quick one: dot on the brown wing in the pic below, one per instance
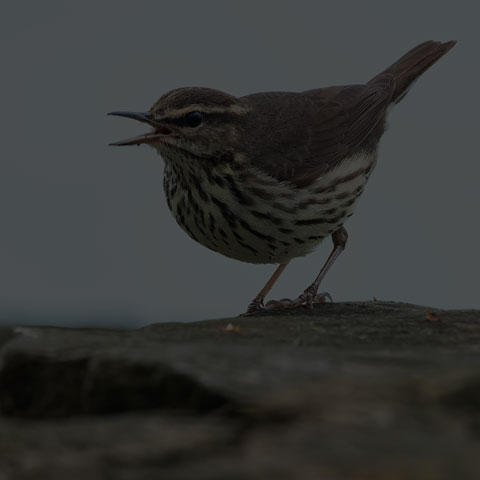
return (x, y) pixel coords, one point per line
(295, 137)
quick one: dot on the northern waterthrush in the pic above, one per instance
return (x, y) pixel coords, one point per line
(266, 177)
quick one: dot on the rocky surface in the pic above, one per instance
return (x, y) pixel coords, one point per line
(344, 391)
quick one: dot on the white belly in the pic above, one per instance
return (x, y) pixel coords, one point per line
(266, 221)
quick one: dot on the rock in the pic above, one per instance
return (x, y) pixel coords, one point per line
(353, 390)
(62, 387)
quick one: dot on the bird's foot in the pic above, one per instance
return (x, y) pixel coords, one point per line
(256, 305)
(307, 298)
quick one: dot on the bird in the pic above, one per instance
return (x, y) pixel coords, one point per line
(264, 178)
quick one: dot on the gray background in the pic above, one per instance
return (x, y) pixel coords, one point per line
(86, 237)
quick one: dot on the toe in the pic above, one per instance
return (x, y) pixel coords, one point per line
(307, 298)
(322, 298)
(256, 305)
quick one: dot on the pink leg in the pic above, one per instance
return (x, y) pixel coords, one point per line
(257, 303)
(311, 295)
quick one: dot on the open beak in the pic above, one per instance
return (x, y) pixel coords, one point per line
(156, 134)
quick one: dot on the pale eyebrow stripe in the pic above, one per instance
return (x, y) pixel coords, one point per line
(236, 109)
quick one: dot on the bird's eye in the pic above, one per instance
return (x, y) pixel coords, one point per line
(193, 119)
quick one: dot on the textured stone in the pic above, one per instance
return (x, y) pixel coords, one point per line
(356, 390)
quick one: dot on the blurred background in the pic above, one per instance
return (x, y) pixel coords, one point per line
(86, 237)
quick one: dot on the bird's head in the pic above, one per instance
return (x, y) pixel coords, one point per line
(191, 120)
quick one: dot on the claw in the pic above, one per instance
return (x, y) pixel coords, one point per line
(322, 297)
(307, 298)
(256, 305)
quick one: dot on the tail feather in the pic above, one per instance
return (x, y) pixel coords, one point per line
(409, 67)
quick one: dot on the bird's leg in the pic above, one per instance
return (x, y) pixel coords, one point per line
(311, 295)
(257, 303)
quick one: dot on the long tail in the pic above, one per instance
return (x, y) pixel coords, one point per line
(409, 67)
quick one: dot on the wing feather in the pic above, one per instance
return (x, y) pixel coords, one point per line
(295, 137)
